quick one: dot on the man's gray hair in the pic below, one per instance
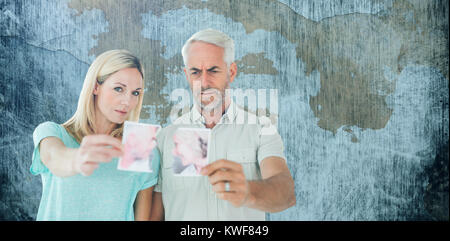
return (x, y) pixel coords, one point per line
(215, 37)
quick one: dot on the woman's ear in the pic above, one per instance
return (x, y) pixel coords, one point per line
(95, 92)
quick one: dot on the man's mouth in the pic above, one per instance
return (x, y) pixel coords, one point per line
(209, 94)
(209, 91)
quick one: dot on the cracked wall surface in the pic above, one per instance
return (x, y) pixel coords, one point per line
(362, 90)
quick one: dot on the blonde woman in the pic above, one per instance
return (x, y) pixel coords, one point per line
(77, 160)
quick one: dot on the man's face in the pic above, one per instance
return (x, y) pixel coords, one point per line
(208, 74)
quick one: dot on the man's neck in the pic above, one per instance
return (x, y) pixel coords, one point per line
(212, 117)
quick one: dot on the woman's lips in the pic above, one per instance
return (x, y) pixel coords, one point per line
(121, 112)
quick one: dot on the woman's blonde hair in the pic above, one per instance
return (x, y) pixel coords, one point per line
(82, 123)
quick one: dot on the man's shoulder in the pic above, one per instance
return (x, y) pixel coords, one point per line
(183, 119)
(263, 124)
(253, 118)
(264, 121)
(179, 123)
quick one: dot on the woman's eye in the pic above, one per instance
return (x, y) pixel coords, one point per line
(118, 89)
(136, 93)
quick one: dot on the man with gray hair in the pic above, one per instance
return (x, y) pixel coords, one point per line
(247, 174)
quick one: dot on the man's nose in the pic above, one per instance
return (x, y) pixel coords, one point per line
(204, 78)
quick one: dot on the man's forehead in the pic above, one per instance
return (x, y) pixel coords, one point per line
(200, 62)
(207, 67)
(205, 55)
(204, 45)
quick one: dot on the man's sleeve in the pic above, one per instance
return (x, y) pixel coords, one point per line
(270, 142)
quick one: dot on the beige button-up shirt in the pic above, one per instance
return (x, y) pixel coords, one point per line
(191, 197)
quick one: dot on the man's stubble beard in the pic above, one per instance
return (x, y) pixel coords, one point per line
(215, 105)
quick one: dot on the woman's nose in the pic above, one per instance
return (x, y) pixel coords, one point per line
(125, 100)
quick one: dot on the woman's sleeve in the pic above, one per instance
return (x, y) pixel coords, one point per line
(152, 178)
(42, 131)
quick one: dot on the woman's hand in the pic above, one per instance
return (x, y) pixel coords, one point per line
(95, 149)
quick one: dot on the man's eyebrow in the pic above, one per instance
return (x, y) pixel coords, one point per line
(213, 68)
(194, 69)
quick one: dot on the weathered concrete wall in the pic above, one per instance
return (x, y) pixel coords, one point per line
(362, 90)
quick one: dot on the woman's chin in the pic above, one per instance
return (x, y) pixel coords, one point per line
(118, 121)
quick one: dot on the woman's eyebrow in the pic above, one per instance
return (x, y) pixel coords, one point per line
(124, 85)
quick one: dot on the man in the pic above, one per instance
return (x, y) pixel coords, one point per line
(247, 173)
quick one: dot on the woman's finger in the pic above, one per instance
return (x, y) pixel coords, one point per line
(102, 140)
(94, 151)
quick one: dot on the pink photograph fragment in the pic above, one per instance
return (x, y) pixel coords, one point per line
(190, 152)
(139, 141)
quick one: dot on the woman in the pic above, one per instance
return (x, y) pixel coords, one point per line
(78, 159)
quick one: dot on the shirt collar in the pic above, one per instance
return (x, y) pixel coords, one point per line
(228, 117)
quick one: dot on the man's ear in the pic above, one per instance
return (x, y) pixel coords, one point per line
(187, 76)
(185, 73)
(233, 71)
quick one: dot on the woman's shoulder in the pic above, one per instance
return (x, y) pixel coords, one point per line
(50, 128)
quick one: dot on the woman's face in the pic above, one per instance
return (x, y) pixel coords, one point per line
(118, 95)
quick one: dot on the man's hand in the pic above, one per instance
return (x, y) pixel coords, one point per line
(274, 193)
(224, 171)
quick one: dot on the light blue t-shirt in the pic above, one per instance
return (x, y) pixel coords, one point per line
(108, 194)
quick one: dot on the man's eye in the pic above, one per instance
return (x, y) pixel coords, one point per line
(194, 72)
(136, 93)
(118, 89)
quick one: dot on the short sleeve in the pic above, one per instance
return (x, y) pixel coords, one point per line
(152, 178)
(42, 131)
(160, 140)
(270, 142)
(159, 183)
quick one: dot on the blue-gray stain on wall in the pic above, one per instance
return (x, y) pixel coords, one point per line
(362, 90)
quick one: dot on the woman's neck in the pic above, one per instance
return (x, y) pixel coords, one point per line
(102, 125)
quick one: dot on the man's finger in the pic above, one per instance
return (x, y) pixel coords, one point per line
(222, 176)
(227, 196)
(219, 164)
(220, 187)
